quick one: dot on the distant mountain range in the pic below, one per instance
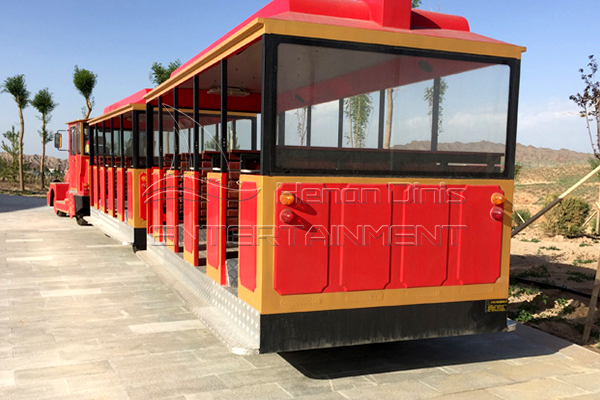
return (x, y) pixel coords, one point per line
(526, 155)
(51, 163)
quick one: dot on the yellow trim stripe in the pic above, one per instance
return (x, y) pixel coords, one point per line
(418, 39)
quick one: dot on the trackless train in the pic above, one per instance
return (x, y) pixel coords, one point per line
(328, 173)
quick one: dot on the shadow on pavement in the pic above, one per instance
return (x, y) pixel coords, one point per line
(10, 203)
(417, 354)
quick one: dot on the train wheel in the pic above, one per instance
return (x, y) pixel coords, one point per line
(80, 220)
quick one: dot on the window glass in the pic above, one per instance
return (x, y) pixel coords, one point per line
(86, 141)
(73, 140)
(77, 140)
(388, 113)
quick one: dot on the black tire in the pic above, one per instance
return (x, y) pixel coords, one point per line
(80, 220)
(61, 214)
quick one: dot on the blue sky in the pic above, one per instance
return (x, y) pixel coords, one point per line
(119, 40)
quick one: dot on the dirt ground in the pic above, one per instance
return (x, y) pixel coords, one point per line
(31, 189)
(560, 261)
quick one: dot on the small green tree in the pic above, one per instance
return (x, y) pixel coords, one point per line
(358, 109)
(85, 81)
(567, 217)
(10, 166)
(16, 87)
(589, 103)
(44, 104)
(160, 73)
(429, 95)
(301, 126)
(416, 3)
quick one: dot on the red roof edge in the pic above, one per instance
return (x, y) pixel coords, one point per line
(136, 98)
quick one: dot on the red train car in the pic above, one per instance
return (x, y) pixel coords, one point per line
(328, 173)
(72, 197)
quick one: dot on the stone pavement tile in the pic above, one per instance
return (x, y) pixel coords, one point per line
(306, 386)
(25, 336)
(94, 383)
(581, 355)
(481, 394)
(406, 390)
(173, 366)
(32, 361)
(7, 378)
(104, 394)
(540, 389)
(46, 390)
(322, 396)
(399, 376)
(266, 360)
(465, 382)
(173, 326)
(592, 396)
(538, 370)
(269, 391)
(533, 359)
(69, 333)
(61, 371)
(117, 348)
(262, 375)
(173, 387)
(70, 292)
(175, 341)
(589, 382)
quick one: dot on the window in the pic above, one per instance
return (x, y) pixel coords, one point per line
(350, 111)
(74, 140)
(86, 141)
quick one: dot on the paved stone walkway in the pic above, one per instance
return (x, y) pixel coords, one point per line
(81, 317)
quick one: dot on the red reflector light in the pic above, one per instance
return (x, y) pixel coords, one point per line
(497, 213)
(286, 216)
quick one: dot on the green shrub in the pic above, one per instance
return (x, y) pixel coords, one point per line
(566, 218)
(525, 214)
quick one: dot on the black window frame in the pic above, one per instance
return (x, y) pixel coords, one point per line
(271, 44)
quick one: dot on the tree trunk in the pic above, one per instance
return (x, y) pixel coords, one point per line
(42, 183)
(88, 103)
(388, 120)
(21, 181)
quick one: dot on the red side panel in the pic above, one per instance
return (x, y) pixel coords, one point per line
(172, 215)
(156, 198)
(121, 193)
(247, 235)
(216, 235)
(301, 254)
(419, 241)
(102, 177)
(362, 243)
(143, 186)
(129, 194)
(476, 238)
(345, 237)
(110, 199)
(191, 220)
(94, 186)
